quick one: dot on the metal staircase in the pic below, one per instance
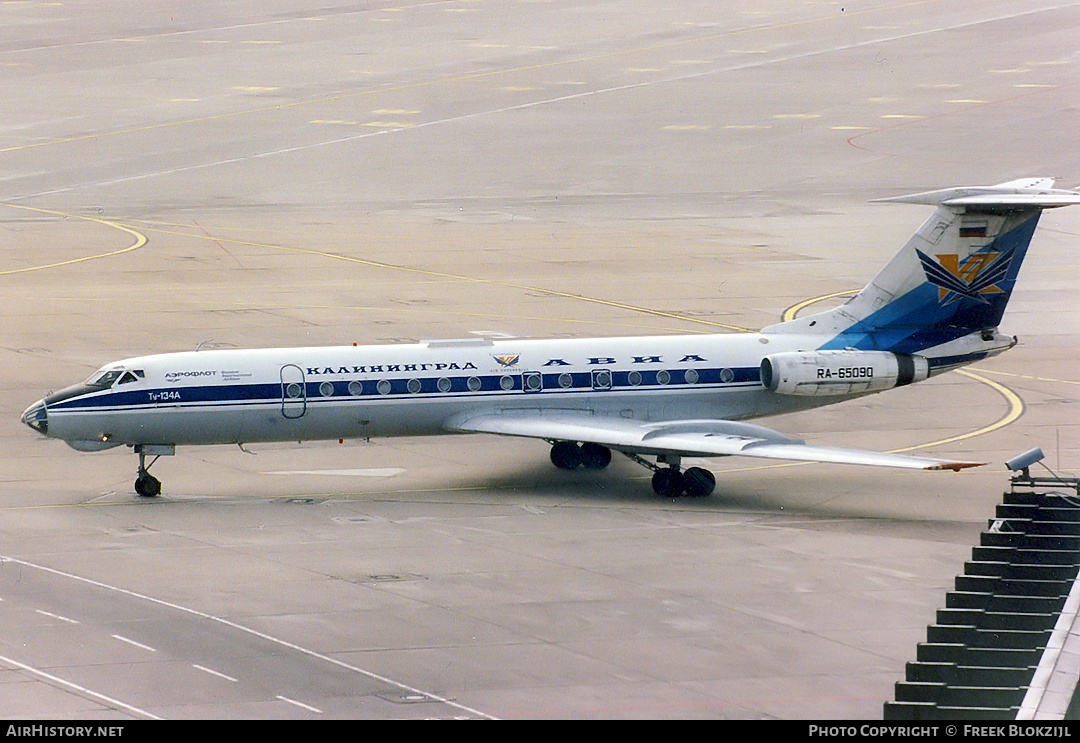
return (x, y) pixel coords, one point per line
(1002, 647)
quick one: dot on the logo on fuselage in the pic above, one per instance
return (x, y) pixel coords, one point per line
(504, 362)
(177, 376)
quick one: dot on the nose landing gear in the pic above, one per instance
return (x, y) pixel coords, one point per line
(146, 484)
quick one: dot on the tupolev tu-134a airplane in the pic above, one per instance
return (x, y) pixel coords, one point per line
(935, 306)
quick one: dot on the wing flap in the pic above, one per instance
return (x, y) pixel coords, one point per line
(690, 438)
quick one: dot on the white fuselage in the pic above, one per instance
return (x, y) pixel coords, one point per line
(298, 394)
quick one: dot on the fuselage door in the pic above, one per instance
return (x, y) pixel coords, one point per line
(293, 391)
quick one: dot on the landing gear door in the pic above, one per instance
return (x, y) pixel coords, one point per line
(293, 391)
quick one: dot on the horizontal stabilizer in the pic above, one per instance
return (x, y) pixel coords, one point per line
(1027, 192)
(689, 438)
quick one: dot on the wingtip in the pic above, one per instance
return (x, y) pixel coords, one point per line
(954, 466)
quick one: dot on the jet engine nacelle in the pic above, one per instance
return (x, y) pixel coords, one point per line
(829, 373)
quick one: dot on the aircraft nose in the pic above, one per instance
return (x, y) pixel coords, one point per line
(37, 417)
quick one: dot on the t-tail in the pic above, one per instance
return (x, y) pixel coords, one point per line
(941, 298)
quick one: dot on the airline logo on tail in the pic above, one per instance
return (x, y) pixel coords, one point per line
(974, 277)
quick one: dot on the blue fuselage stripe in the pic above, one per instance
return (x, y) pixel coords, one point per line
(517, 383)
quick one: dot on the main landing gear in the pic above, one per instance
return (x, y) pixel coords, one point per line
(695, 482)
(567, 455)
(669, 481)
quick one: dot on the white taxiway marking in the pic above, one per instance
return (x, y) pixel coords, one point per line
(375, 472)
(56, 616)
(240, 628)
(121, 638)
(81, 689)
(299, 704)
(212, 672)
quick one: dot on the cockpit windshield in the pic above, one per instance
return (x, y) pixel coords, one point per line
(105, 379)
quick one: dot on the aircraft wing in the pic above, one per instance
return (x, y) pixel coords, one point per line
(689, 438)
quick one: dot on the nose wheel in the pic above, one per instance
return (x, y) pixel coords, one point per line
(147, 485)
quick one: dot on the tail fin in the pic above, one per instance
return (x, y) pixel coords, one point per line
(951, 280)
